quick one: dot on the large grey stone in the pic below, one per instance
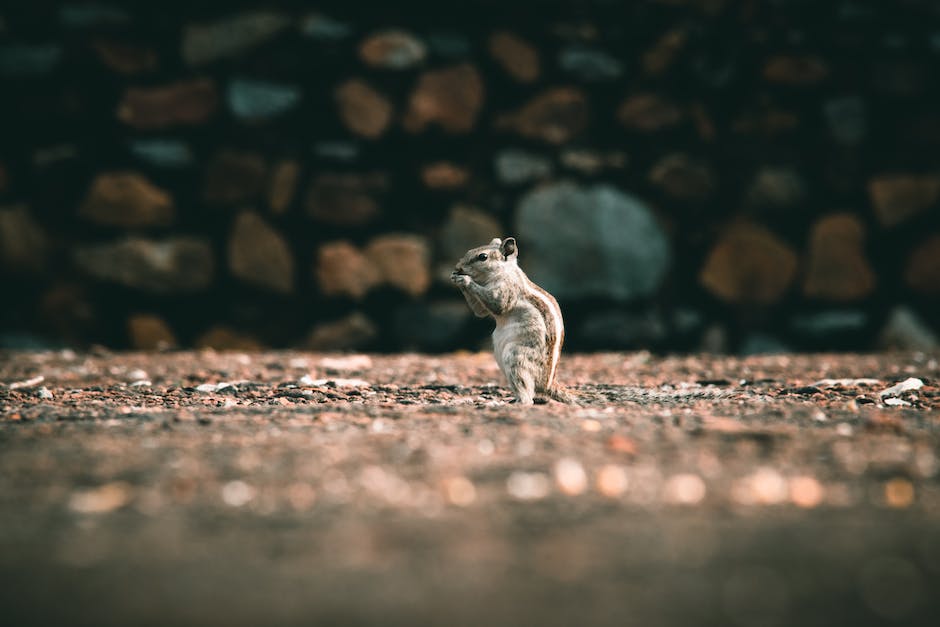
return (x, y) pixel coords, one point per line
(776, 189)
(324, 28)
(431, 326)
(165, 153)
(591, 241)
(256, 100)
(180, 264)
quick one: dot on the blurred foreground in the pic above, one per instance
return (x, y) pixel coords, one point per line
(292, 488)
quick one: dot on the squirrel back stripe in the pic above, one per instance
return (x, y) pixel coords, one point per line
(555, 328)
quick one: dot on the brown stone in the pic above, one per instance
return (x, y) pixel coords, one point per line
(362, 109)
(68, 312)
(682, 178)
(450, 98)
(555, 116)
(403, 261)
(154, 108)
(223, 338)
(344, 199)
(837, 269)
(648, 113)
(663, 53)
(148, 332)
(796, 71)
(466, 227)
(235, 177)
(258, 254)
(127, 59)
(392, 50)
(518, 57)
(229, 36)
(923, 267)
(749, 265)
(353, 332)
(283, 185)
(899, 197)
(177, 264)
(127, 199)
(22, 241)
(444, 175)
(342, 270)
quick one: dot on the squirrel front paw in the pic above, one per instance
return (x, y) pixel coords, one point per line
(460, 280)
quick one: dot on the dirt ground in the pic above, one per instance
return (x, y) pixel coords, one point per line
(298, 489)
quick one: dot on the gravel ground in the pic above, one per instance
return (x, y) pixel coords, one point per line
(294, 488)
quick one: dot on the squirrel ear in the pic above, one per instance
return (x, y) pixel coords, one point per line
(508, 247)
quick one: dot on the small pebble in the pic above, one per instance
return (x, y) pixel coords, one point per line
(237, 493)
(45, 394)
(528, 486)
(612, 481)
(460, 491)
(570, 476)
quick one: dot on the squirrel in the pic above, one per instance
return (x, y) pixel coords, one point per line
(529, 327)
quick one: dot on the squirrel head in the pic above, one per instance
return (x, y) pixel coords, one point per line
(484, 263)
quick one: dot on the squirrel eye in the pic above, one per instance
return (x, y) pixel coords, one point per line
(481, 257)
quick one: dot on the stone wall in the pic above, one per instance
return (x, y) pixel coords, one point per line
(682, 174)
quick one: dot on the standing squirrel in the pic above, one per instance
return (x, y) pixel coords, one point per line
(529, 328)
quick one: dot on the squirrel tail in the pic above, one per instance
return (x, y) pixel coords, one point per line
(561, 394)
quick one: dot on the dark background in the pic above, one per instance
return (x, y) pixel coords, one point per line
(683, 175)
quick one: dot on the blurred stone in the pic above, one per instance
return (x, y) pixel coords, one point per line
(48, 156)
(663, 53)
(776, 189)
(4, 178)
(847, 119)
(449, 44)
(899, 197)
(362, 109)
(21, 60)
(341, 151)
(148, 332)
(590, 162)
(903, 78)
(648, 113)
(444, 175)
(589, 64)
(826, 325)
(770, 122)
(68, 311)
(682, 178)
(450, 98)
(324, 28)
(795, 71)
(223, 338)
(762, 344)
(258, 100)
(837, 269)
(127, 199)
(392, 50)
(154, 108)
(90, 15)
(617, 330)
(555, 116)
(234, 177)
(519, 166)
(518, 57)
(749, 265)
(166, 153)
(344, 199)
(905, 330)
(595, 240)
(431, 326)
(284, 178)
(23, 244)
(229, 36)
(342, 269)
(403, 261)
(466, 227)
(922, 273)
(124, 58)
(258, 254)
(177, 264)
(353, 332)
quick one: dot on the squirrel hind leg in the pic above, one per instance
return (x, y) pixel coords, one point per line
(522, 386)
(562, 395)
